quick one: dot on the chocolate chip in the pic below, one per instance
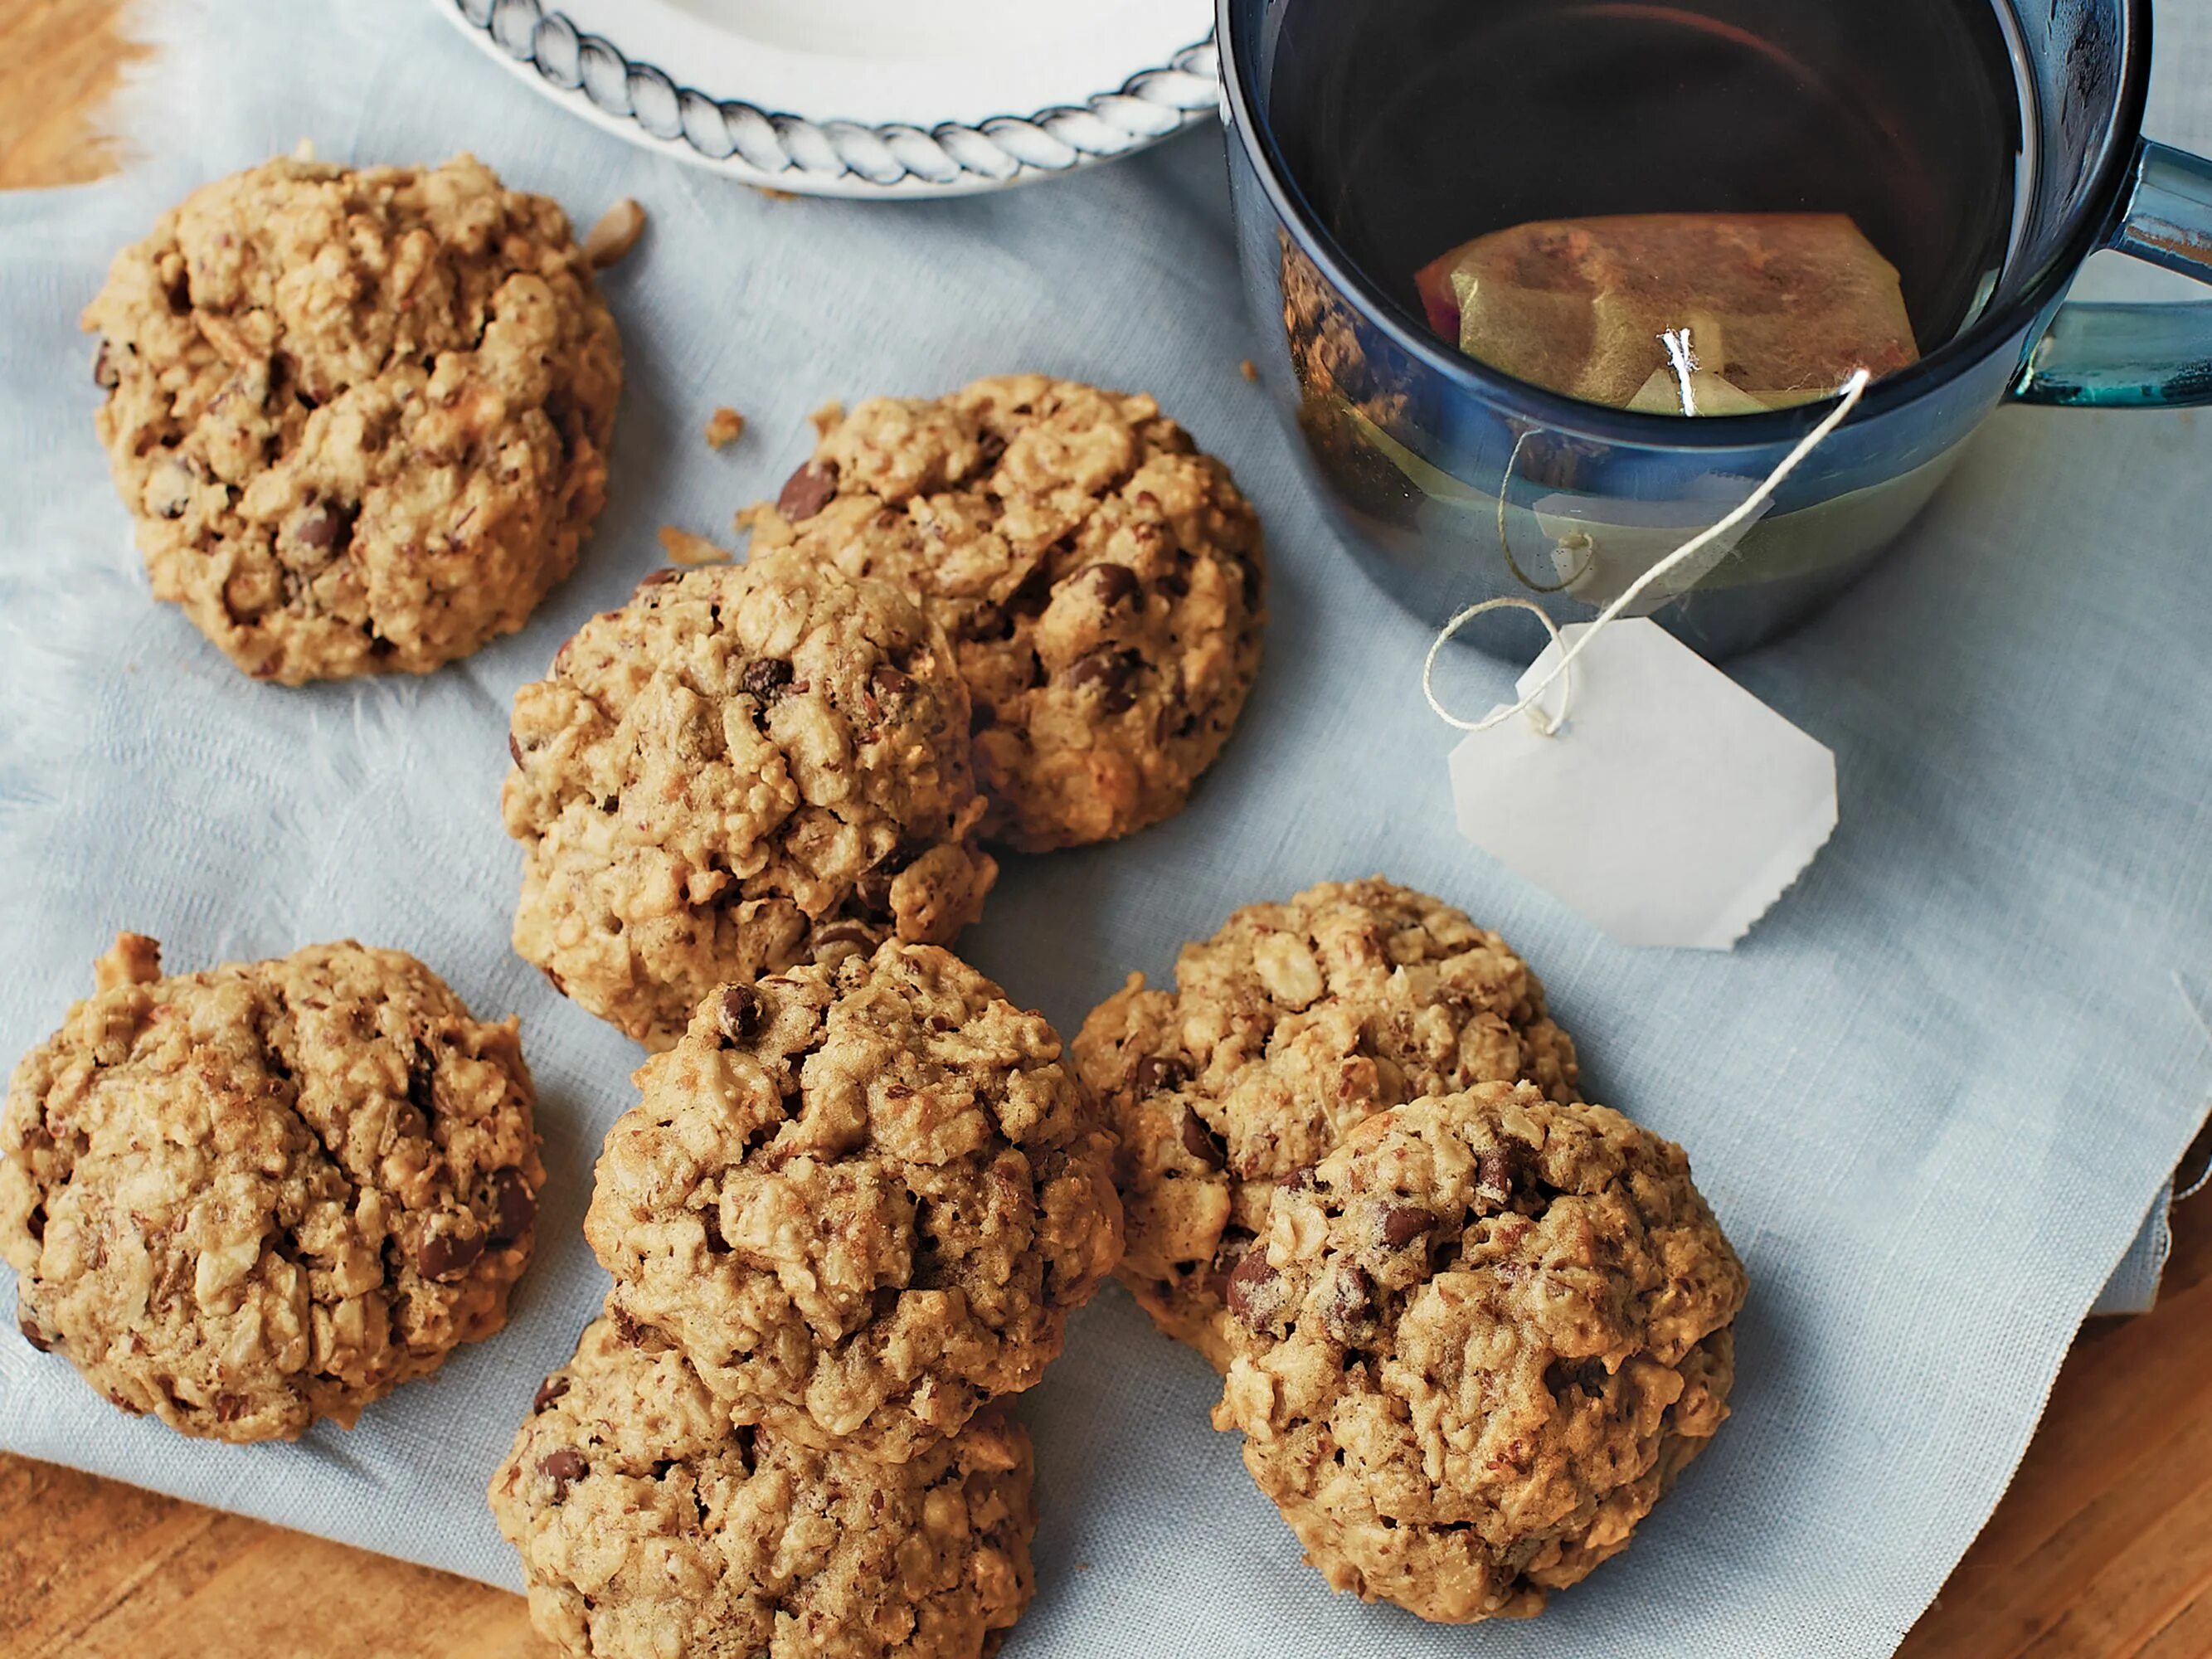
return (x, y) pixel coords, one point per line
(808, 491)
(1298, 1180)
(888, 683)
(1156, 1073)
(1402, 1224)
(514, 1206)
(1110, 672)
(988, 449)
(740, 1016)
(765, 677)
(1112, 583)
(421, 1082)
(514, 748)
(654, 579)
(1201, 1143)
(982, 716)
(229, 1407)
(447, 1255)
(320, 529)
(103, 369)
(548, 1391)
(1248, 1293)
(1494, 1169)
(1235, 1243)
(562, 1468)
(1254, 581)
(31, 1335)
(1351, 1305)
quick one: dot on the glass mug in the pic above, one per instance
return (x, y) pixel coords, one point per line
(1456, 483)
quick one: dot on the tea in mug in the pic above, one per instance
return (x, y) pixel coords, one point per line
(1711, 206)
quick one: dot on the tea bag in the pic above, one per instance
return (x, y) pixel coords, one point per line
(1778, 308)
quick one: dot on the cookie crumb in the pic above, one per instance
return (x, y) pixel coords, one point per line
(724, 426)
(776, 195)
(304, 150)
(615, 235)
(685, 548)
(1249, 369)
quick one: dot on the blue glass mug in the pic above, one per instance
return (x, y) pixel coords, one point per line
(1456, 483)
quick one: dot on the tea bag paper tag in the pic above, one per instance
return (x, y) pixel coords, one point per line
(1673, 808)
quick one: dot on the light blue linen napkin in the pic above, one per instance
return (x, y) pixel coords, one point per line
(1932, 1098)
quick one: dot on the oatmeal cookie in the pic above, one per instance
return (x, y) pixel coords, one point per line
(1475, 1344)
(742, 769)
(1099, 578)
(1288, 1027)
(649, 1526)
(861, 1199)
(361, 415)
(247, 1198)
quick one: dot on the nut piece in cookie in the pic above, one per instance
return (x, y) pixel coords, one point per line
(1293, 1025)
(649, 1526)
(361, 417)
(1099, 578)
(862, 1199)
(1476, 1343)
(743, 768)
(247, 1198)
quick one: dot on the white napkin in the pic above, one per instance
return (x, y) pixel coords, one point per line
(1931, 1097)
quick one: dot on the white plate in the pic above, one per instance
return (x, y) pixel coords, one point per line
(866, 98)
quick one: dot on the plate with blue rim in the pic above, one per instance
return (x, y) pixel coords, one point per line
(873, 99)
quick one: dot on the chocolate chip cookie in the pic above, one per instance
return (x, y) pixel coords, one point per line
(649, 1526)
(1099, 578)
(361, 415)
(861, 1199)
(1475, 1344)
(266, 1192)
(1291, 1025)
(743, 768)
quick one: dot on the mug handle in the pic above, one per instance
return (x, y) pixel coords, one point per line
(2139, 356)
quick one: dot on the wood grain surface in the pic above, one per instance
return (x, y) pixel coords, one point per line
(2102, 1549)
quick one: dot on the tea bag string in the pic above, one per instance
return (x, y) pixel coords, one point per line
(1549, 724)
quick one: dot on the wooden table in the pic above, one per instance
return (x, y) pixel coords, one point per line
(2102, 1550)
